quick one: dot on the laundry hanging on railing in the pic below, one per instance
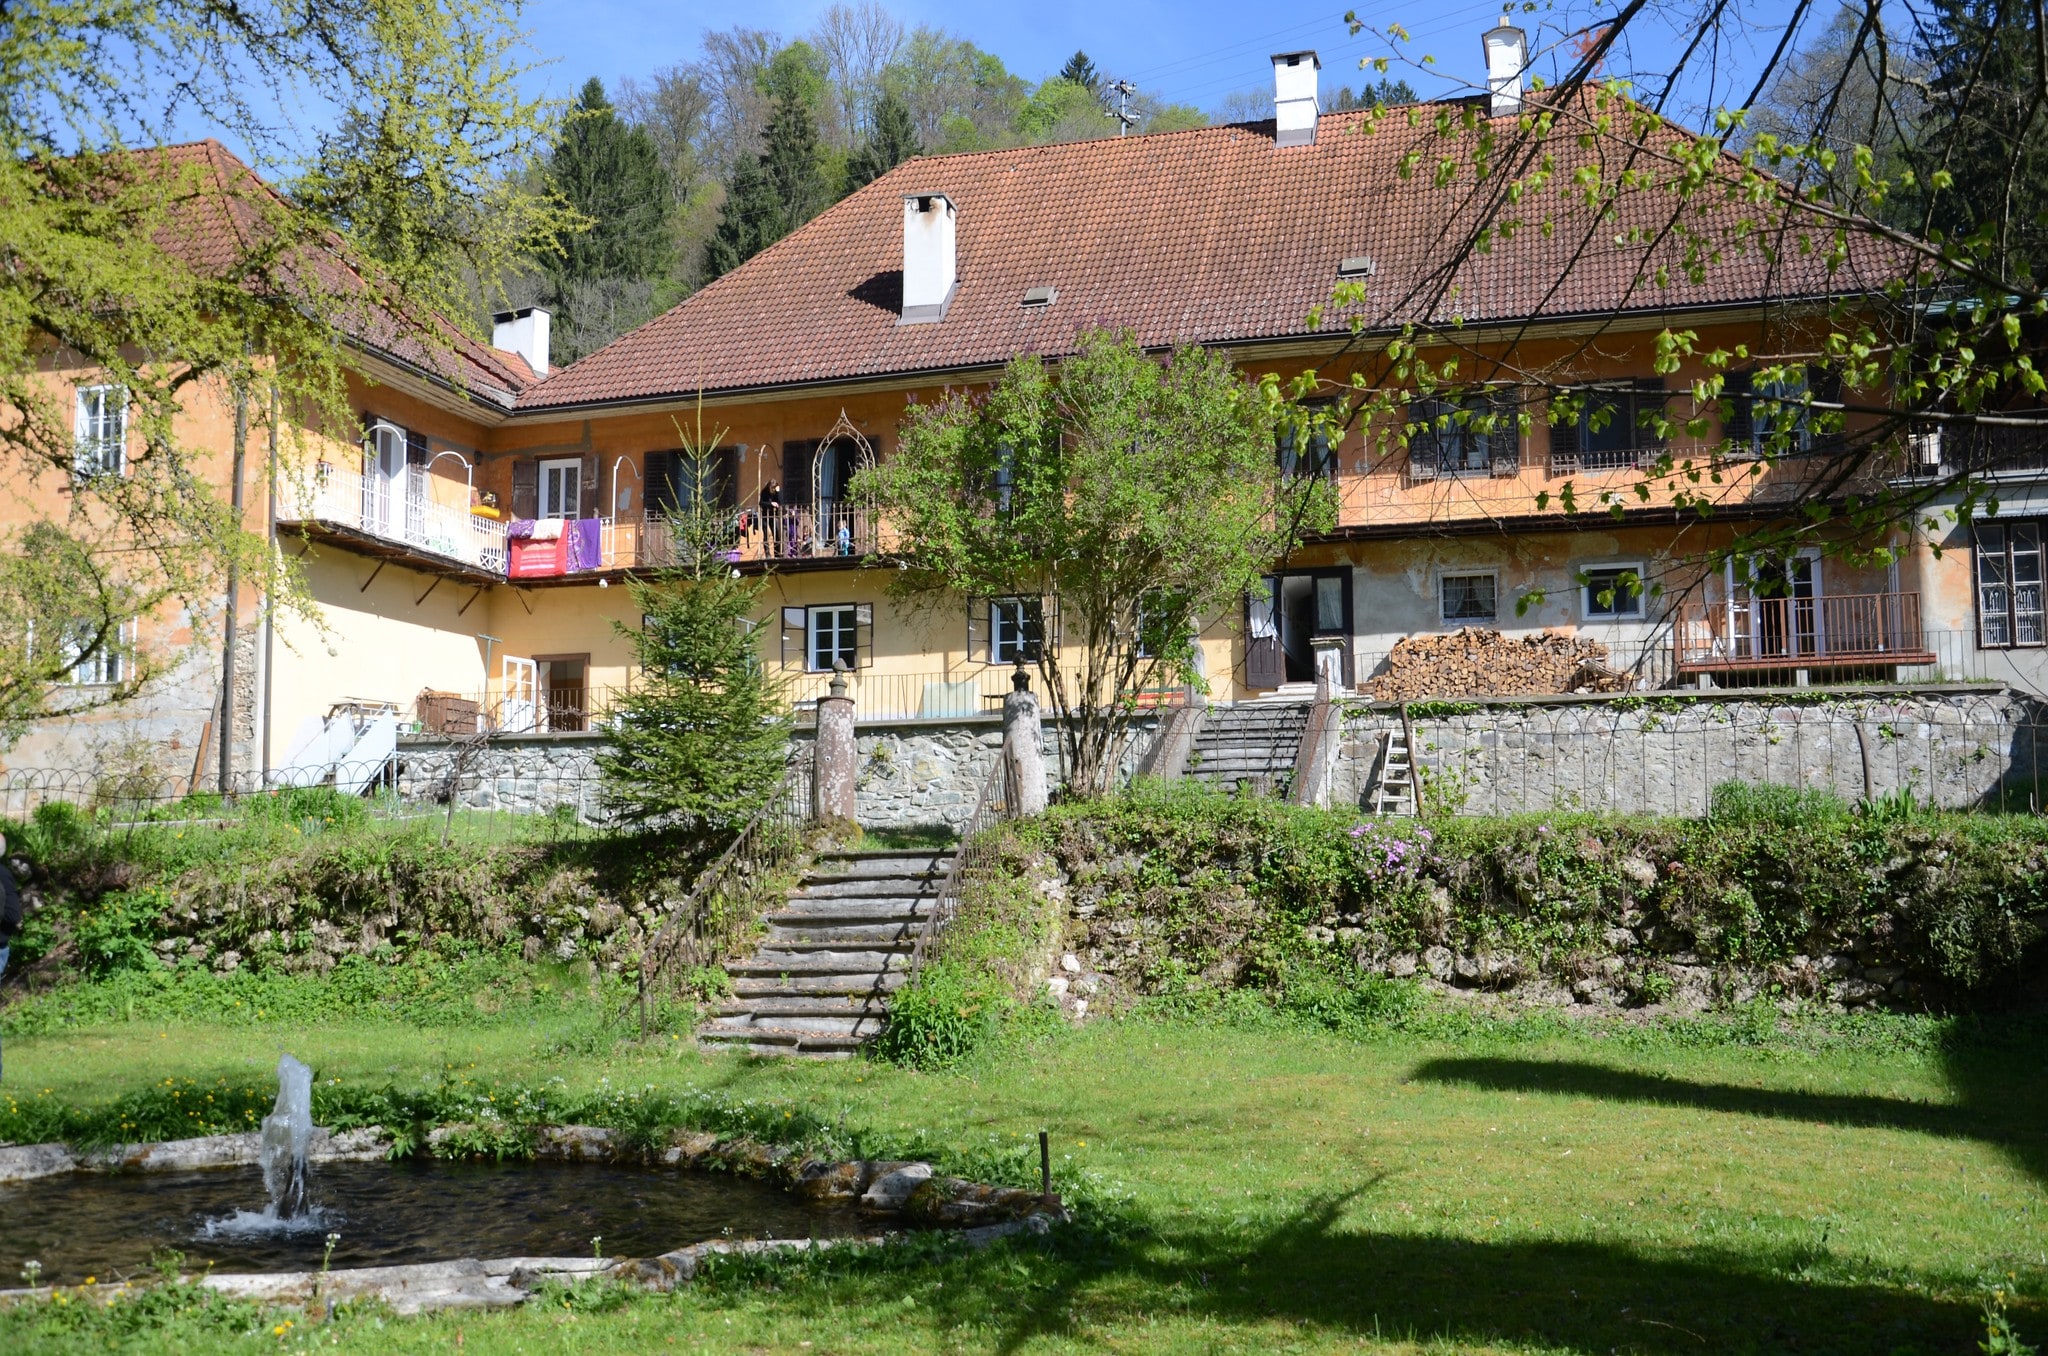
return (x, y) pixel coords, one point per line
(585, 538)
(544, 547)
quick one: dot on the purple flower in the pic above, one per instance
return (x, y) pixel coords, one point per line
(1358, 831)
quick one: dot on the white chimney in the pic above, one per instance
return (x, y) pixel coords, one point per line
(1507, 53)
(524, 332)
(1295, 106)
(930, 271)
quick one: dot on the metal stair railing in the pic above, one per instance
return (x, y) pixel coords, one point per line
(770, 840)
(976, 853)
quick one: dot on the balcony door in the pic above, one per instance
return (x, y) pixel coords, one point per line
(384, 482)
(1774, 607)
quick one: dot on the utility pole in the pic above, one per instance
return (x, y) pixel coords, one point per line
(1125, 119)
(229, 639)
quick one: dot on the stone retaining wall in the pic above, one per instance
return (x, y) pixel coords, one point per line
(1664, 753)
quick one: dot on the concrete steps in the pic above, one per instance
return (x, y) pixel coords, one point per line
(1249, 747)
(818, 985)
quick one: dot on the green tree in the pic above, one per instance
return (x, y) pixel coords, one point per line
(701, 739)
(1137, 499)
(1062, 110)
(750, 221)
(1079, 70)
(790, 161)
(1985, 135)
(175, 278)
(1383, 91)
(611, 174)
(893, 141)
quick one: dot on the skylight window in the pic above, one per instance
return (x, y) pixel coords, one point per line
(1040, 297)
(1357, 266)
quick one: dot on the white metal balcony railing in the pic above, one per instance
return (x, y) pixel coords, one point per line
(401, 510)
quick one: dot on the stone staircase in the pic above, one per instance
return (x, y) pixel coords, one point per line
(819, 983)
(1249, 747)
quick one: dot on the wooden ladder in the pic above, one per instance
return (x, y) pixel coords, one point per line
(1393, 790)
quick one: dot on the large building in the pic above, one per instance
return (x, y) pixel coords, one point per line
(464, 551)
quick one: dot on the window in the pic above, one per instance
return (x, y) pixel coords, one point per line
(1157, 611)
(561, 488)
(830, 638)
(1305, 449)
(1475, 435)
(2009, 585)
(106, 665)
(678, 482)
(1774, 417)
(101, 431)
(1468, 597)
(1016, 630)
(1614, 592)
(817, 636)
(1615, 428)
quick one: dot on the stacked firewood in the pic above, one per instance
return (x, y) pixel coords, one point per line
(1479, 663)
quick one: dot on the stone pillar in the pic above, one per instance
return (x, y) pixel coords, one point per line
(1329, 656)
(835, 764)
(1023, 758)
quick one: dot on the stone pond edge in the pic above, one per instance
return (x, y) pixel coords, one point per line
(896, 1191)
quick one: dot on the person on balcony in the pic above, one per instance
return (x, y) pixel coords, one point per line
(771, 519)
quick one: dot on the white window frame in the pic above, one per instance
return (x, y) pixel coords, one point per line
(2001, 628)
(1635, 603)
(100, 434)
(1443, 581)
(843, 622)
(109, 667)
(543, 504)
(1004, 647)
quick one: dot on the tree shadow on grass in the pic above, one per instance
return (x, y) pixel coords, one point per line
(1312, 1270)
(2004, 1111)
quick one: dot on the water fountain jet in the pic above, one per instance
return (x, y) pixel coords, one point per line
(287, 1131)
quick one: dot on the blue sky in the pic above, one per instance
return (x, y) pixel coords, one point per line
(1193, 51)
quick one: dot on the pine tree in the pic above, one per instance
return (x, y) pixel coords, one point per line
(892, 141)
(1983, 130)
(750, 222)
(611, 173)
(790, 161)
(700, 740)
(1081, 71)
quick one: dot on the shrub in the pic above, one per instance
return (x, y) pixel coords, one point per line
(949, 1014)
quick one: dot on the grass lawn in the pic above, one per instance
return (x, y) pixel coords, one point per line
(1274, 1190)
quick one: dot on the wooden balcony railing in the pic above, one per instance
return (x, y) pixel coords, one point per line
(1842, 630)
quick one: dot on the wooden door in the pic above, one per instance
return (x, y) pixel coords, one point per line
(1265, 665)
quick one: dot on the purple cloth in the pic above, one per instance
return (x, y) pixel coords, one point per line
(586, 544)
(519, 529)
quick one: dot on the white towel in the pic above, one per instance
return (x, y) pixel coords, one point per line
(548, 529)
(1262, 618)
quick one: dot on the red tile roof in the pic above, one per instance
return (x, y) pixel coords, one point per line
(221, 225)
(1213, 235)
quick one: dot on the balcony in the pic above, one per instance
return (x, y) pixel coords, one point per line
(417, 519)
(1796, 635)
(833, 531)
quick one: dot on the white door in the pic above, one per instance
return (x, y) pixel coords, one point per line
(519, 708)
(1774, 607)
(384, 480)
